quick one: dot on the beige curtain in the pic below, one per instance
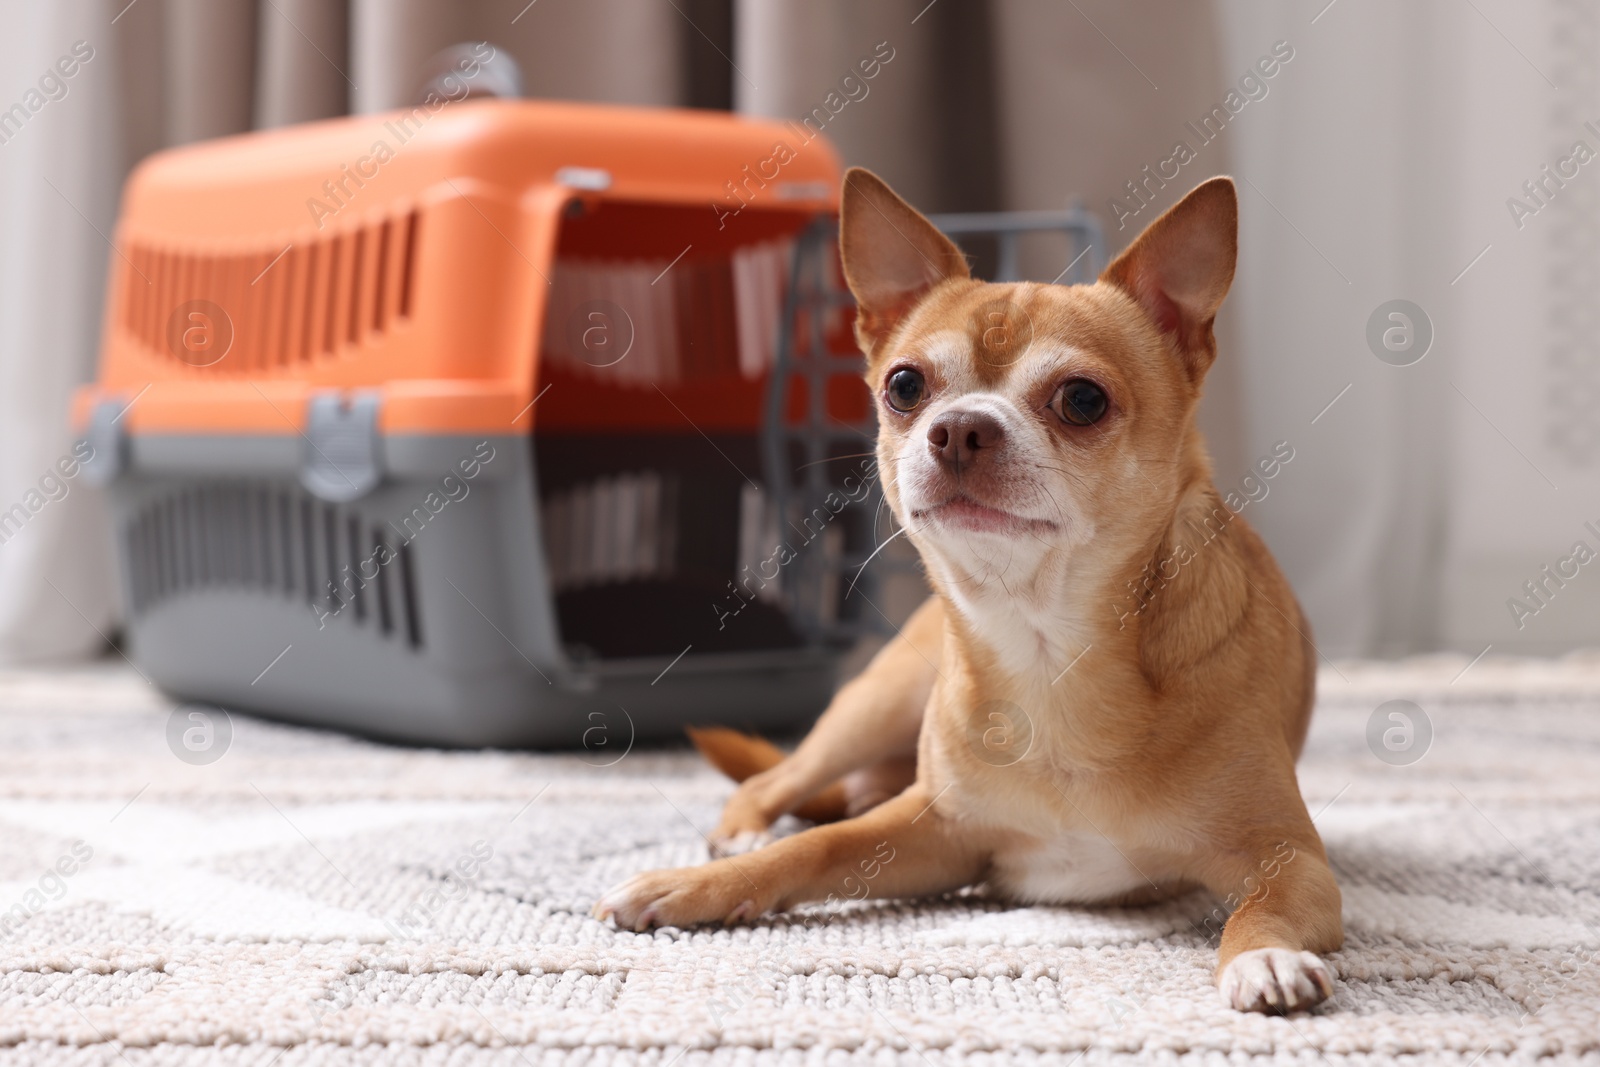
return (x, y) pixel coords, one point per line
(1433, 495)
(301, 70)
(1416, 505)
(61, 163)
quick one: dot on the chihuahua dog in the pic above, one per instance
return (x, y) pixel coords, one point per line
(1035, 728)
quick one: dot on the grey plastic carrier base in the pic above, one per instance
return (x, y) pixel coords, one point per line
(454, 641)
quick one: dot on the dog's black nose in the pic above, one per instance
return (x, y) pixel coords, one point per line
(958, 437)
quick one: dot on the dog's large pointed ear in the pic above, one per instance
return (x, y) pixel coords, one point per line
(892, 255)
(1180, 268)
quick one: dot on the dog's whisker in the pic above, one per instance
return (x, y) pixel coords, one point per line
(831, 459)
(877, 513)
(869, 559)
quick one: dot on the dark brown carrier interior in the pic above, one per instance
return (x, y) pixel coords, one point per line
(690, 446)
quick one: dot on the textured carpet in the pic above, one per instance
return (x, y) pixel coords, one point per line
(309, 898)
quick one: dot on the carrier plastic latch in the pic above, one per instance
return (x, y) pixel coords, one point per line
(342, 454)
(108, 443)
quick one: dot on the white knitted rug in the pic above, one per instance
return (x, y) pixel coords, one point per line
(312, 899)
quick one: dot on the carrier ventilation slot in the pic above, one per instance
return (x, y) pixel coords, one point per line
(285, 305)
(344, 569)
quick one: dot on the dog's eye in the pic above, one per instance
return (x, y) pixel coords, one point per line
(905, 389)
(1080, 402)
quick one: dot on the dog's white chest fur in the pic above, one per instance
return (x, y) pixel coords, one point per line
(1072, 868)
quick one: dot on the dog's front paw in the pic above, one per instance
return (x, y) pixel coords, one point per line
(739, 843)
(744, 825)
(681, 897)
(1277, 980)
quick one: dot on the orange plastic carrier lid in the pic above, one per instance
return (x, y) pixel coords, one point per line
(410, 253)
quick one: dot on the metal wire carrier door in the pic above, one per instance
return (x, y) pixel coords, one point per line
(811, 456)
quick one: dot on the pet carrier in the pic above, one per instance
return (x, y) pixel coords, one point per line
(498, 422)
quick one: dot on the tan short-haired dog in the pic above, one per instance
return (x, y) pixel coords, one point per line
(1028, 730)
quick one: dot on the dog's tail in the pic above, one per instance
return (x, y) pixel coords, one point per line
(742, 756)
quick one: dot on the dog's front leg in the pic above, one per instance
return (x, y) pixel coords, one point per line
(901, 848)
(1285, 910)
